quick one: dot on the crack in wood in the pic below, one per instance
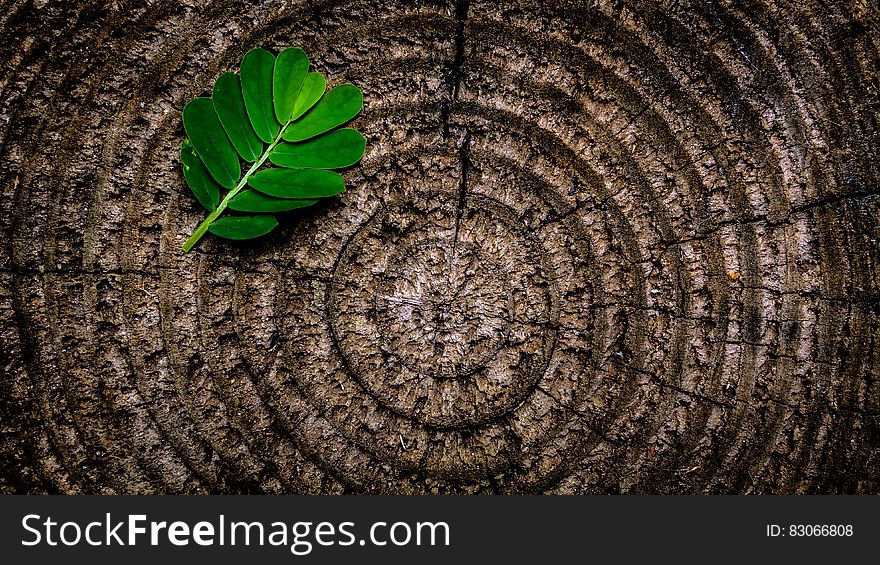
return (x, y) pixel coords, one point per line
(454, 75)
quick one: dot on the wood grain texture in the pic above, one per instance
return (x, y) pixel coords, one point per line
(593, 247)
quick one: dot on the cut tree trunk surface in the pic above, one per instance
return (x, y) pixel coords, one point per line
(593, 247)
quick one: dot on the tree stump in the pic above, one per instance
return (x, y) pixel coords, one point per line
(593, 247)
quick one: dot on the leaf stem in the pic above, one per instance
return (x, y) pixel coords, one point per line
(206, 223)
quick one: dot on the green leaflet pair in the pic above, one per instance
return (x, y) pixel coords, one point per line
(277, 111)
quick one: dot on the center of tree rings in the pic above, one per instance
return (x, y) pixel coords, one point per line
(445, 320)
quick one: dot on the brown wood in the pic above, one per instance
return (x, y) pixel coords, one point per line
(593, 247)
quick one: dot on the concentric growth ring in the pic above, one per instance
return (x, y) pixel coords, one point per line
(591, 248)
(455, 322)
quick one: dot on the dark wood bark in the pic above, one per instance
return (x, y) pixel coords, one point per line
(593, 247)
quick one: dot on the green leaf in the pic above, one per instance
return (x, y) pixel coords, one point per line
(198, 178)
(253, 201)
(334, 109)
(209, 139)
(287, 81)
(289, 183)
(335, 150)
(243, 227)
(272, 98)
(256, 86)
(229, 105)
(312, 89)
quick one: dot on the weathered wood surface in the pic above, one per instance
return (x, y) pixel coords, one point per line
(593, 247)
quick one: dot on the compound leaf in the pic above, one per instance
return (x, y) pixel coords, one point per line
(334, 109)
(312, 89)
(243, 227)
(257, 70)
(290, 183)
(291, 67)
(273, 98)
(209, 139)
(335, 150)
(253, 201)
(229, 105)
(198, 178)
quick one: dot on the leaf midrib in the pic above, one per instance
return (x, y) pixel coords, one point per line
(206, 223)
